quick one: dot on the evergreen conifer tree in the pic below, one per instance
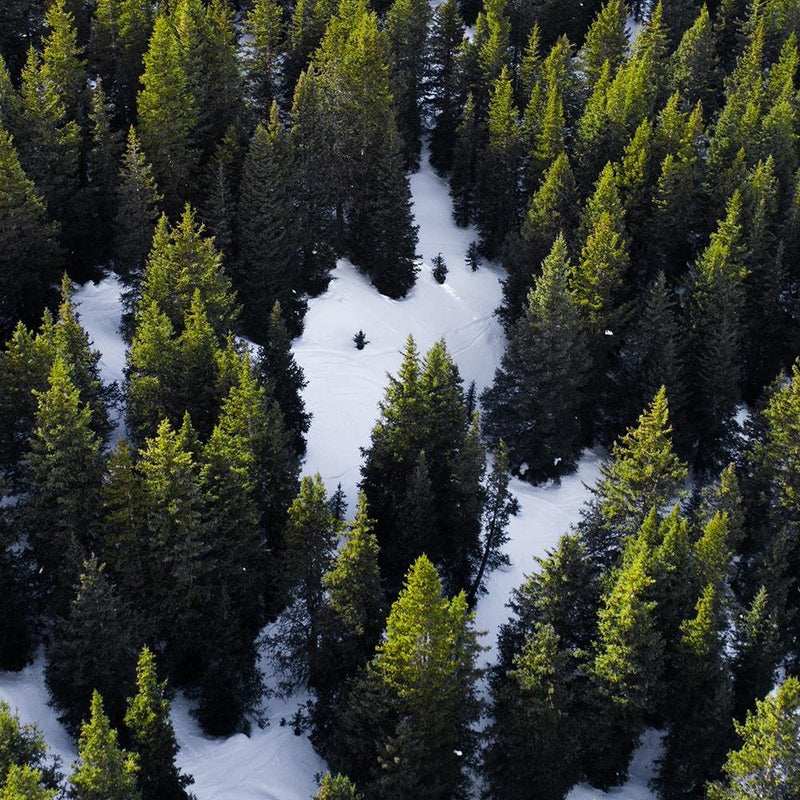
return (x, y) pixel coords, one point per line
(93, 649)
(716, 330)
(64, 467)
(407, 32)
(643, 473)
(269, 265)
(465, 164)
(27, 237)
(103, 768)
(152, 735)
(537, 393)
(262, 64)
(447, 33)
(768, 762)
(421, 682)
(551, 210)
(137, 212)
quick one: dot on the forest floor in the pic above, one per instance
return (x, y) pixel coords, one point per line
(344, 390)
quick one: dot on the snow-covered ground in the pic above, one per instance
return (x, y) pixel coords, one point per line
(345, 387)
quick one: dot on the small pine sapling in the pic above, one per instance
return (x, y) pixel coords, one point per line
(361, 340)
(473, 256)
(439, 268)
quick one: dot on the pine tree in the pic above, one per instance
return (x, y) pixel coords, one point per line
(152, 735)
(167, 114)
(768, 762)
(532, 741)
(27, 237)
(694, 67)
(309, 545)
(643, 473)
(422, 681)
(606, 40)
(757, 652)
(337, 787)
(716, 330)
(63, 472)
(269, 264)
(103, 768)
(137, 212)
(625, 671)
(102, 164)
(279, 371)
(407, 31)
(465, 164)
(654, 356)
(498, 173)
(62, 65)
(221, 184)
(25, 783)
(551, 210)
(23, 746)
(265, 24)
(534, 401)
(49, 145)
(93, 649)
(182, 260)
(499, 506)
(446, 36)
(698, 733)
(424, 410)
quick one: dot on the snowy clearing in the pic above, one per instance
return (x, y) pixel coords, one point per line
(345, 387)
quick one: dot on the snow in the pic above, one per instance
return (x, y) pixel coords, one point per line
(345, 387)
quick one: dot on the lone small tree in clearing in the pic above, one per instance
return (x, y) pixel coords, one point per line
(439, 268)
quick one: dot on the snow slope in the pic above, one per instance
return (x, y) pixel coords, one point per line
(345, 387)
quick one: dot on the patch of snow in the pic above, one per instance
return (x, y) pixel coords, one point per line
(633, 28)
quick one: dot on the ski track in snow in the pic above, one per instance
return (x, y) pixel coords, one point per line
(344, 390)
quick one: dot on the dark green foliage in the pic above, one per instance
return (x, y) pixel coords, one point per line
(534, 401)
(533, 747)
(498, 169)
(444, 85)
(360, 339)
(23, 746)
(269, 264)
(416, 701)
(716, 329)
(757, 652)
(424, 410)
(439, 269)
(92, 649)
(654, 356)
(465, 165)
(103, 768)
(625, 671)
(551, 210)
(152, 736)
(25, 366)
(407, 30)
(262, 63)
(473, 257)
(16, 617)
(284, 379)
(768, 762)
(137, 204)
(699, 731)
(643, 473)
(63, 470)
(309, 544)
(26, 237)
(499, 506)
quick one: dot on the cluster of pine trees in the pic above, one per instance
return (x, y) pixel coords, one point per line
(643, 196)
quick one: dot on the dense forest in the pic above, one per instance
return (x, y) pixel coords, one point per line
(635, 171)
